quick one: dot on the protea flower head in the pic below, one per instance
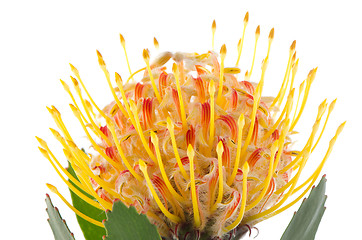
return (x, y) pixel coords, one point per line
(191, 143)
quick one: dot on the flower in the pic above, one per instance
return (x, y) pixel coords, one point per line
(200, 152)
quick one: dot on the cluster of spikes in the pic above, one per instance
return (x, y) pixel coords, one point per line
(199, 152)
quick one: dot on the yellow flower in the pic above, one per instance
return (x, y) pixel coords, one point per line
(190, 144)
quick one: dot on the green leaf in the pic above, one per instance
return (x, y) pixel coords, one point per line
(58, 225)
(305, 222)
(90, 231)
(125, 223)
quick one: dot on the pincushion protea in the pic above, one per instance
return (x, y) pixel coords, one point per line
(195, 148)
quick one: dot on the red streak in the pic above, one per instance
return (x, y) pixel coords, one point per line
(254, 157)
(162, 83)
(230, 121)
(199, 85)
(190, 136)
(248, 86)
(205, 116)
(234, 99)
(138, 91)
(176, 101)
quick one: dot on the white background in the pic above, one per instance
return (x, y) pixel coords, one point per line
(39, 38)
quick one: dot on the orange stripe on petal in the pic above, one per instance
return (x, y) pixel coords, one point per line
(103, 195)
(275, 135)
(138, 91)
(200, 88)
(248, 86)
(250, 101)
(225, 154)
(234, 99)
(177, 102)
(105, 131)
(184, 161)
(201, 70)
(205, 115)
(190, 136)
(255, 131)
(230, 121)
(161, 187)
(254, 157)
(111, 152)
(162, 83)
(239, 175)
(233, 205)
(118, 119)
(147, 112)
